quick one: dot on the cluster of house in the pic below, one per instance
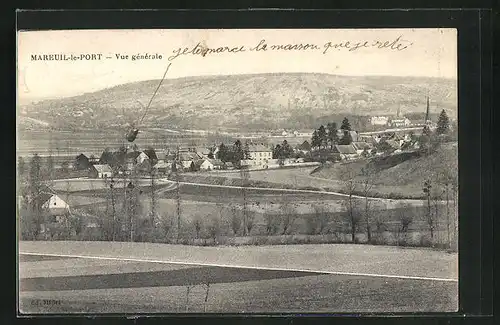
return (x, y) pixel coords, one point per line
(364, 146)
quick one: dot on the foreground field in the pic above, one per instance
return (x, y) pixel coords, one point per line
(132, 278)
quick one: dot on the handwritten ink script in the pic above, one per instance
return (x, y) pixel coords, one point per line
(263, 46)
(397, 44)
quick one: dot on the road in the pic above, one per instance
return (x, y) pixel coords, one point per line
(142, 277)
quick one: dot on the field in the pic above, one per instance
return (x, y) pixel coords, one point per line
(133, 277)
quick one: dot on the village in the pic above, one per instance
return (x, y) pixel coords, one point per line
(131, 165)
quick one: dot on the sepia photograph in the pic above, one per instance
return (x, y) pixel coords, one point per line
(237, 171)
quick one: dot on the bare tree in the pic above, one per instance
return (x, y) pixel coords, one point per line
(214, 228)
(429, 216)
(207, 289)
(152, 175)
(448, 179)
(198, 225)
(166, 223)
(318, 222)
(178, 200)
(272, 223)
(250, 222)
(235, 220)
(367, 185)
(244, 175)
(405, 217)
(349, 186)
(288, 214)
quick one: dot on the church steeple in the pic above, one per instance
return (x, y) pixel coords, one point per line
(427, 117)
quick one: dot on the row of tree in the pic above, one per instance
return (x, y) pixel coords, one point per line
(323, 138)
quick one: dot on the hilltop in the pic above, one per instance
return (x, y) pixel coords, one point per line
(247, 102)
(404, 173)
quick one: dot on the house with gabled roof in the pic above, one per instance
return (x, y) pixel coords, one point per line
(362, 146)
(101, 171)
(346, 152)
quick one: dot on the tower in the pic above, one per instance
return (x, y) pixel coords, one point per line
(399, 111)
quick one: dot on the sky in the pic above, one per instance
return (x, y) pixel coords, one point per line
(422, 52)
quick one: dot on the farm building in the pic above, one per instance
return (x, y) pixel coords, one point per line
(204, 164)
(346, 152)
(361, 146)
(101, 171)
(151, 154)
(82, 162)
(162, 167)
(305, 147)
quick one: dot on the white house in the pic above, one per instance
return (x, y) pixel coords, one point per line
(142, 156)
(400, 122)
(103, 171)
(260, 154)
(379, 120)
(204, 164)
(54, 205)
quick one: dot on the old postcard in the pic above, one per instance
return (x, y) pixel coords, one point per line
(237, 171)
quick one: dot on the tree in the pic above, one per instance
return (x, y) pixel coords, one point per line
(405, 220)
(346, 138)
(198, 225)
(235, 220)
(21, 167)
(347, 178)
(429, 217)
(246, 150)
(367, 185)
(238, 153)
(272, 223)
(222, 154)
(35, 188)
(50, 167)
(322, 136)
(443, 123)
(214, 228)
(277, 152)
(346, 126)
(315, 140)
(332, 134)
(288, 214)
(286, 150)
(318, 222)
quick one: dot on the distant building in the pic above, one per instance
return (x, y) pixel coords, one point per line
(151, 154)
(204, 165)
(305, 147)
(142, 157)
(101, 171)
(54, 205)
(362, 146)
(379, 120)
(346, 152)
(260, 154)
(81, 162)
(400, 122)
(162, 167)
